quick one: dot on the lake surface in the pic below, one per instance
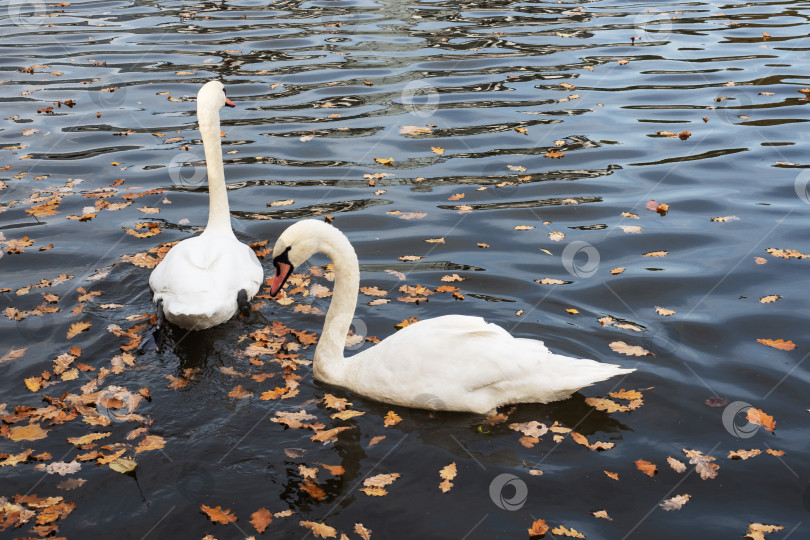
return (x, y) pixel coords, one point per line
(560, 119)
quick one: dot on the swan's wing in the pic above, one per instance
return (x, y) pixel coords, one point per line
(469, 364)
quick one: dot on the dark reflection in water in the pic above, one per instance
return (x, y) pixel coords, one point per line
(542, 114)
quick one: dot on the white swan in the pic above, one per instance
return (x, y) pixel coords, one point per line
(452, 363)
(204, 280)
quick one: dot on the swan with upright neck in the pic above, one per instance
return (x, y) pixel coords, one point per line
(203, 281)
(451, 363)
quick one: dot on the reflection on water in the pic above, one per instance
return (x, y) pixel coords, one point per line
(496, 115)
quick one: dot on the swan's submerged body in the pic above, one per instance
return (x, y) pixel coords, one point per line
(203, 281)
(452, 363)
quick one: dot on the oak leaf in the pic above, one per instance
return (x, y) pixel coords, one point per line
(538, 528)
(319, 530)
(261, 519)
(217, 515)
(646, 467)
(573, 533)
(392, 419)
(676, 502)
(77, 328)
(629, 350)
(758, 417)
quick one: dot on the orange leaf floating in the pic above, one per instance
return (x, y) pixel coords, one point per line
(392, 419)
(217, 515)
(758, 417)
(77, 328)
(538, 528)
(646, 467)
(31, 432)
(319, 530)
(447, 473)
(261, 519)
(778, 344)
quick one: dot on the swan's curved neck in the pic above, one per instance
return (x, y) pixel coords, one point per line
(329, 364)
(219, 215)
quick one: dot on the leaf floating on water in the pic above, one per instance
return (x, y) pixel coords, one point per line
(447, 474)
(764, 300)
(319, 530)
(384, 161)
(524, 227)
(602, 514)
(756, 531)
(573, 533)
(30, 432)
(664, 312)
(631, 229)
(375, 485)
(123, 465)
(646, 467)
(437, 150)
(703, 464)
(261, 519)
(555, 236)
(778, 344)
(616, 271)
(629, 350)
(392, 419)
(677, 465)
(538, 528)
(217, 515)
(758, 417)
(744, 454)
(656, 254)
(77, 328)
(550, 281)
(787, 253)
(676, 502)
(723, 219)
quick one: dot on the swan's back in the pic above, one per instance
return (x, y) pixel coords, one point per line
(469, 365)
(199, 279)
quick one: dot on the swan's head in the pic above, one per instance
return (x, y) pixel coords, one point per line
(212, 96)
(297, 243)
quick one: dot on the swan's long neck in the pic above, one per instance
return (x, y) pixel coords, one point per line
(329, 364)
(219, 215)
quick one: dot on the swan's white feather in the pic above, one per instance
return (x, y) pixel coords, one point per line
(200, 277)
(463, 363)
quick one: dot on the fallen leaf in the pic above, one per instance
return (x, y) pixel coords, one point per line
(764, 300)
(664, 312)
(217, 515)
(448, 473)
(538, 528)
(261, 519)
(758, 417)
(756, 531)
(319, 530)
(778, 344)
(77, 328)
(676, 465)
(646, 467)
(392, 419)
(30, 432)
(629, 350)
(675, 503)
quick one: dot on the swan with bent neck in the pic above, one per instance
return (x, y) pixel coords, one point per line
(203, 281)
(450, 363)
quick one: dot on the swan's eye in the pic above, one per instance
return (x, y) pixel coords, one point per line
(283, 258)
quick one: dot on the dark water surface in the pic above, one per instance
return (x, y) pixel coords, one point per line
(488, 77)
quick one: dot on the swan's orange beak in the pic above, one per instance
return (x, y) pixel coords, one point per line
(229, 103)
(282, 273)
